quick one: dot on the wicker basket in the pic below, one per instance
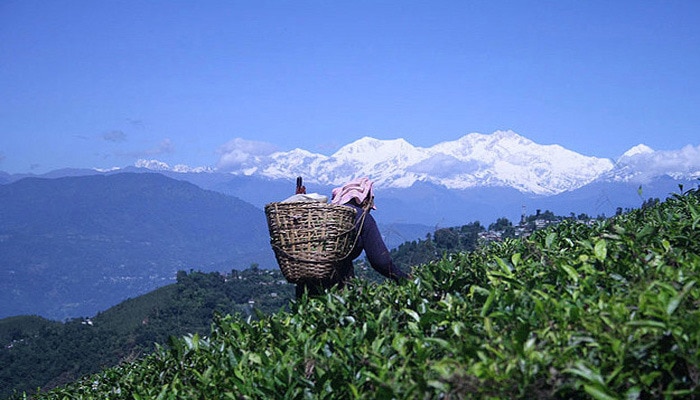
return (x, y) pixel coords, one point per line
(310, 238)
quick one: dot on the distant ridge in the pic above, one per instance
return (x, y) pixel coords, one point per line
(502, 159)
(77, 245)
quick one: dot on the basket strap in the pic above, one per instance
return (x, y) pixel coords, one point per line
(358, 232)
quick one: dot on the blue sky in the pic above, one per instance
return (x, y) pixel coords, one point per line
(105, 83)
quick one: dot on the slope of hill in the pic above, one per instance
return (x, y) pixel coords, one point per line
(74, 246)
(42, 353)
(575, 311)
(35, 352)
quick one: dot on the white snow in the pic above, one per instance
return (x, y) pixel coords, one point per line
(502, 158)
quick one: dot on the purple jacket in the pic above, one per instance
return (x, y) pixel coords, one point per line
(370, 240)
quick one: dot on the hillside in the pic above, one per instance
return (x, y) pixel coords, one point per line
(606, 311)
(41, 353)
(74, 246)
(36, 352)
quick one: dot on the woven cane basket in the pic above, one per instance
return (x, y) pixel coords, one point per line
(310, 238)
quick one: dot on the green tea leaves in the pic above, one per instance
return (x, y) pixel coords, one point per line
(604, 311)
(600, 250)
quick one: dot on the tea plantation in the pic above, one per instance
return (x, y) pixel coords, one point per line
(574, 311)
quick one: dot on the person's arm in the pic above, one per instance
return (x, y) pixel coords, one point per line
(377, 252)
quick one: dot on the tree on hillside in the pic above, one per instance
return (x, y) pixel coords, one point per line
(503, 225)
(442, 241)
(446, 238)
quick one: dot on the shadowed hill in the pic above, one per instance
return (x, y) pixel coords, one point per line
(74, 246)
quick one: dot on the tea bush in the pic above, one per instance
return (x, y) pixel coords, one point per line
(574, 311)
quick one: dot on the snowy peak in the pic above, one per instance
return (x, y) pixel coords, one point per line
(384, 160)
(637, 150)
(156, 165)
(476, 144)
(500, 159)
(641, 163)
(503, 158)
(377, 150)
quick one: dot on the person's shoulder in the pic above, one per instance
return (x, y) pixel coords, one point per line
(353, 206)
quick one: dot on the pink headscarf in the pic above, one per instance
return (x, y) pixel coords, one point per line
(358, 189)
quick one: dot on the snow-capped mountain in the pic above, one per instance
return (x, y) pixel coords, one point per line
(641, 164)
(156, 165)
(502, 159)
(505, 158)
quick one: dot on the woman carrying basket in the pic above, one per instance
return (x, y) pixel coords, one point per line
(359, 195)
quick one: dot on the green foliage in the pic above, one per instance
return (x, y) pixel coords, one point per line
(501, 224)
(573, 311)
(40, 353)
(443, 241)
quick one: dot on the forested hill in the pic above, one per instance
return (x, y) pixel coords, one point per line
(38, 353)
(77, 245)
(605, 310)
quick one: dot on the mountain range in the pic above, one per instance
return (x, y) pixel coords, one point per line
(478, 177)
(501, 159)
(76, 241)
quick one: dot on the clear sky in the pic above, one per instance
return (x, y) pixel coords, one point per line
(104, 83)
